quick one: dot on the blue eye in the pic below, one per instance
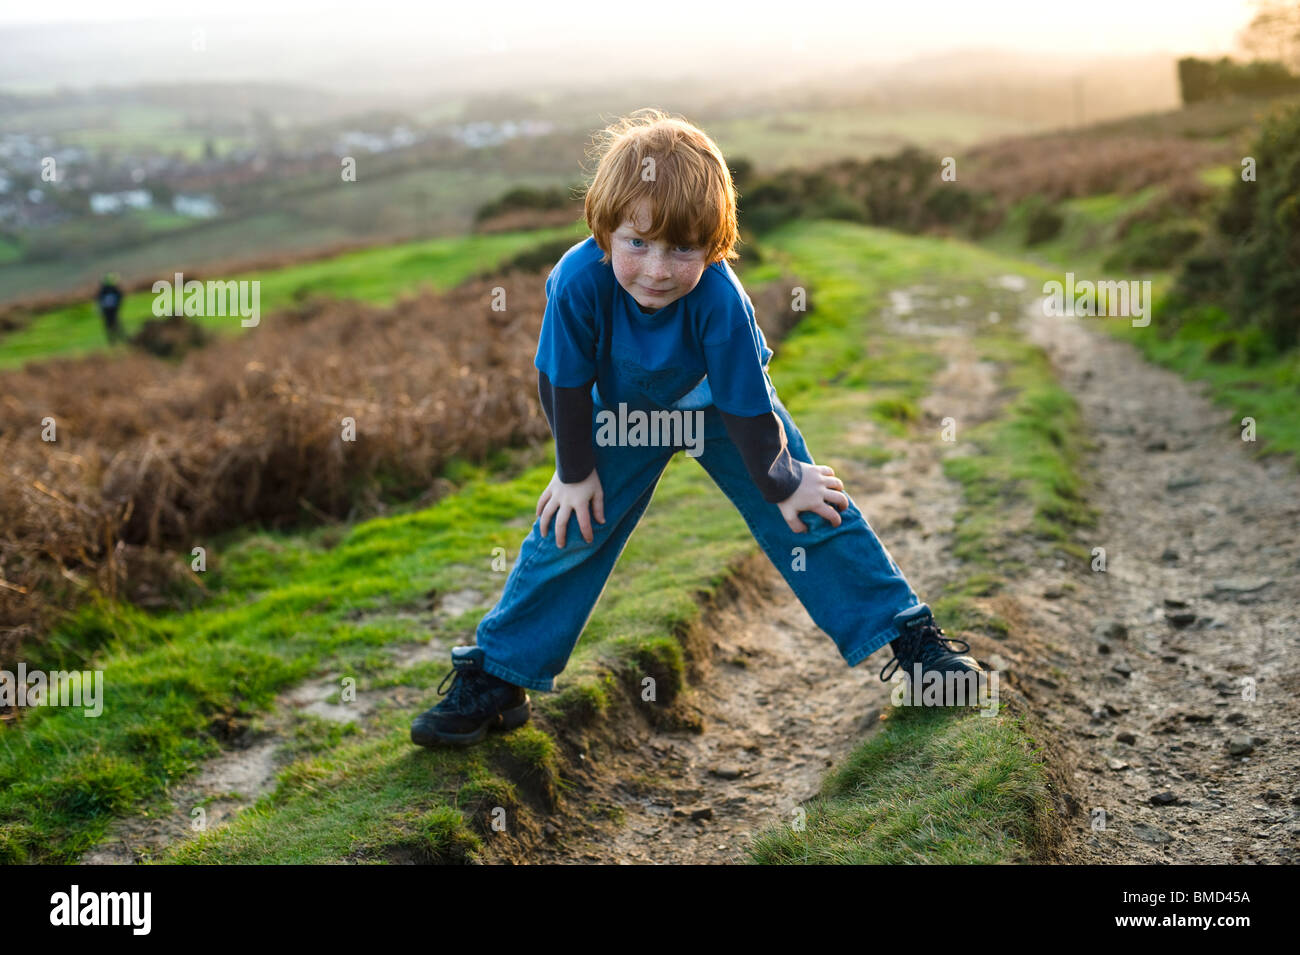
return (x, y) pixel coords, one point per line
(685, 249)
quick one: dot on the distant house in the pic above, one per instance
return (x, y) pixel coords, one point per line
(476, 135)
(107, 203)
(356, 139)
(197, 207)
(352, 140)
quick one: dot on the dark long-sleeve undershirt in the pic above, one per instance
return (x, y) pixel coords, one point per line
(568, 412)
(762, 445)
(760, 439)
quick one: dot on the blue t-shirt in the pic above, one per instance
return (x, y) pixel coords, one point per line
(703, 349)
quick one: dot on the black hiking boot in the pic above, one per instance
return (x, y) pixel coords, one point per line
(921, 641)
(476, 703)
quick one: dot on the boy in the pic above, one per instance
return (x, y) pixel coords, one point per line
(647, 312)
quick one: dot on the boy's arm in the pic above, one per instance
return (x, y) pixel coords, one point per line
(761, 442)
(568, 412)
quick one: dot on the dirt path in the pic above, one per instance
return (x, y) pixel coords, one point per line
(1141, 671)
(1198, 605)
(775, 702)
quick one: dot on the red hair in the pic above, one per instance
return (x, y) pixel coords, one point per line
(679, 169)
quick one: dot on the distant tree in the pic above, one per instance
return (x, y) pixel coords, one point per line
(742, 172)
(524, 197)
(1274, 32)
(1250, 264)
(1196, 79)
(1201, 80)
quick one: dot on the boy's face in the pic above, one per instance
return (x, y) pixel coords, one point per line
(654, 274)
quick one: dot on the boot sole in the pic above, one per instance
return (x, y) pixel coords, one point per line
(980, 675)
(505, 720)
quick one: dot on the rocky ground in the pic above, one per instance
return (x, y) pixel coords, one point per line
(1178, 690)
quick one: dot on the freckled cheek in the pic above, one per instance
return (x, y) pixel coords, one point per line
(688, 281)
(625, 273)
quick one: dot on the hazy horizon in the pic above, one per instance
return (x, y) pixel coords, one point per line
(513, 45)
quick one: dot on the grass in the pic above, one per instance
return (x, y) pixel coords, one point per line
(1087, 234)
(1031, 455)
(11, 250)
(287, 607)
(933, 786)
(940, 786)
(947, 786)
(300, 213)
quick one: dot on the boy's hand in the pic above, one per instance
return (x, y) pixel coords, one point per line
(566, 499)
(817, 492)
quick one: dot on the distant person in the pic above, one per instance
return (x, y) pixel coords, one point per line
(649, 310)
(109, 300)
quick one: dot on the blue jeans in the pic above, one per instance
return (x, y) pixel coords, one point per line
(848, 582)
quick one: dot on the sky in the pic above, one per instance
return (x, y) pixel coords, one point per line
(379, 42)
(1071, 27)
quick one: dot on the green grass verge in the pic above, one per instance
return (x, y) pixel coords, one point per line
(1030, 456)
(933, 786)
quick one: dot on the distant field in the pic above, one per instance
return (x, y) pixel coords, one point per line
(188, 143)
(67, 120)
(433, 201)
(439, 200)
(378, 274)
(812, 137)
(1214, 120)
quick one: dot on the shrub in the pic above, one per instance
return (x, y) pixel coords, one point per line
(1157, 246)
(1043, 224)
(1257, 238)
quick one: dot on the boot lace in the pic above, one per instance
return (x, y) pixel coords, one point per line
(464, 689)
(925, 642)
